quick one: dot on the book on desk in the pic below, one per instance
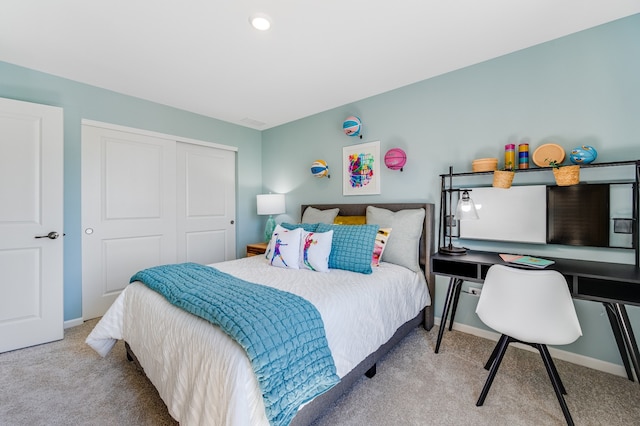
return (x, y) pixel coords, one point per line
(529, 261)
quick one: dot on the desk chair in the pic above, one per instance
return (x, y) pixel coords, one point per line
(533, 307)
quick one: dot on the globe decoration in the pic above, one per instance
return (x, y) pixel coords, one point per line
(584, 154)
(320, 169)
(395, 159)
(352, 126)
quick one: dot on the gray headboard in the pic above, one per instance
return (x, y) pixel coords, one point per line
(427, 241)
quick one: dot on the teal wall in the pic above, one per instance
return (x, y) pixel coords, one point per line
(81, 101)
(580, 89)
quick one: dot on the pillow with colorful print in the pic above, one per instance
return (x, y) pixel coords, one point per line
(284, 248)
(315, 248)
(378, 248)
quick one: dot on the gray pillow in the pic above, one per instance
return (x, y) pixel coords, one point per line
(403, 244)
(313, 215)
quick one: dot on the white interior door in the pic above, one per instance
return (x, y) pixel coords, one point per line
(128, 211)
(31, 205)
(205, 204)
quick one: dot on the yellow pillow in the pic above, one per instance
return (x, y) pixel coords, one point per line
(350, 220)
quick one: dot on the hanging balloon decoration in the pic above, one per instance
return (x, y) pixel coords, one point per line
(395, 159)
(352, 126)
(320, 169)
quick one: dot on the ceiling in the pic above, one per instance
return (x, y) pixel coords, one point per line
(203, 56)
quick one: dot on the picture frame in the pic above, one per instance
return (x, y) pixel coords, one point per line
(361, 166)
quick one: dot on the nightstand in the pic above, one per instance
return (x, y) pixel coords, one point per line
(256, 249)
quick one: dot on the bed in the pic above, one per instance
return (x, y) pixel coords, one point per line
(205, 377)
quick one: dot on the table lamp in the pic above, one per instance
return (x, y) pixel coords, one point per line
(465, 210)
(270, 204)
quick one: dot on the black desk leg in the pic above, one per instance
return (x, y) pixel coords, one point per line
(615, 327)
(629, 338)
(452, 292)
(456, 297)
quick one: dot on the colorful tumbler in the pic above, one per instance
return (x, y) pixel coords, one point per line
(509, 156)
(523, 156)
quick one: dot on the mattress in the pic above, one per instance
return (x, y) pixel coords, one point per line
(205, 377)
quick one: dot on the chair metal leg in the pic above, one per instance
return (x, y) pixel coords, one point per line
(553, 374)
(502, 348)
(492, 357)
(543, 348)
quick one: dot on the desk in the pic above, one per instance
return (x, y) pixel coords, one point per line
(614, 285)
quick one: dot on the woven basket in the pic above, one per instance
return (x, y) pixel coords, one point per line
(567, 175)
(503, 178)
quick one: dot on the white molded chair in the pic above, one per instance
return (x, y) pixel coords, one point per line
(532, 307)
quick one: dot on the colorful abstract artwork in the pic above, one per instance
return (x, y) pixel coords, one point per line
(361, 169)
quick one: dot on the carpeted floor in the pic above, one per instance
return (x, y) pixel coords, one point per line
(66, 382)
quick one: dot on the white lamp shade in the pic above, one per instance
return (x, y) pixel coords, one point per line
(271, 204)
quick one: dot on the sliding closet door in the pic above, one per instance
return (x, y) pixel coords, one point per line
(128, 211)
(149, 200)
(205, 204)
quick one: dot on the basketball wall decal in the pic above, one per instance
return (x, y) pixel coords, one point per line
(395, 159)
(320, 169)
(352, 126)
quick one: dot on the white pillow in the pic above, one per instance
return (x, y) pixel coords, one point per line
(284, 248)
(315, 248)
(313, 215)
(402, 246)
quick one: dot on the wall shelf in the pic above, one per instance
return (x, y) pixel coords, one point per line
(448, 186)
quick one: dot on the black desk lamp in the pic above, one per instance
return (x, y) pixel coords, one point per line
(465, 210)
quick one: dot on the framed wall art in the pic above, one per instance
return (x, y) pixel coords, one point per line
(361, 169)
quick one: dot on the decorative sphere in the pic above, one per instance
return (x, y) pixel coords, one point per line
(395, 159)
(319, 168)
(584, 154)
(352, 126)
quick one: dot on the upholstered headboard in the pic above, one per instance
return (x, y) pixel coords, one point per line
(427, 241)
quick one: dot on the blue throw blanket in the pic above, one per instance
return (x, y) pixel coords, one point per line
(282, 333)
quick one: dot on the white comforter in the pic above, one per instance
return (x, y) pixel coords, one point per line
(205, 377)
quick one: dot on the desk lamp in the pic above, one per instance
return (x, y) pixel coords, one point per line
(465, 210)
(270, 204)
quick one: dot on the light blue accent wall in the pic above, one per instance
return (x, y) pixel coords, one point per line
(579, 89)
(81, 101)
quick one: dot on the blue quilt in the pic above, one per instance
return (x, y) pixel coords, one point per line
(282, 333)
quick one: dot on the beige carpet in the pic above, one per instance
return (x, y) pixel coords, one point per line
(67, 383)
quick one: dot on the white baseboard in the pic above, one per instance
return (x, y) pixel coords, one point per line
(574, 358)
(73, 323)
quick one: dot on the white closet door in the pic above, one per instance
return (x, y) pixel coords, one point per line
(128, 211)
(31, 205)
(149, 200)
(205, 204)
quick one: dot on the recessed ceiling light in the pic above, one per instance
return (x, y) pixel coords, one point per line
(260, 21)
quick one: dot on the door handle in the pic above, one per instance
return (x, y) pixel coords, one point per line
(51, 235)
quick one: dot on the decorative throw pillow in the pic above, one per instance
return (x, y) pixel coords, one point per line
(350, 220)
(402, 247)
(309, 227)
(284, 248)
(313, 215)
(351, 247)
(315, 248)
(381, 243)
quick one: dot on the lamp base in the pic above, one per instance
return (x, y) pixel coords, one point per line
(268, 229)
(452, 251)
